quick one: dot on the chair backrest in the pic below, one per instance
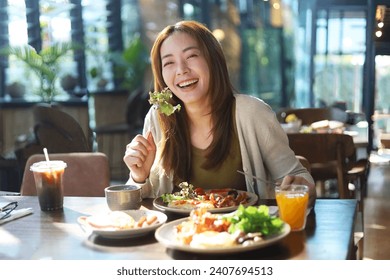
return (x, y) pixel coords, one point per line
(137, 108)
(86, 174)
(328, 154)
(311, 115)
(58, 131)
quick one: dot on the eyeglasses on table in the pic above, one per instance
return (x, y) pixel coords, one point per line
(6, 209)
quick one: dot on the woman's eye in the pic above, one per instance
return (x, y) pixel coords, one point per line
(167, 63)
(192, 55)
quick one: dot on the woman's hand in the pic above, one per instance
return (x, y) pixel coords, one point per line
(139, 156)
(297, 180)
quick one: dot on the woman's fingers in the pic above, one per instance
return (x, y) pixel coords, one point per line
(298, 180)
(152, 145)
(139, 156)
(139, 144)
(136, 151)
(287, 180)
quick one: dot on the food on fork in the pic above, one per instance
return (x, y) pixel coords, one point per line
(161, 101)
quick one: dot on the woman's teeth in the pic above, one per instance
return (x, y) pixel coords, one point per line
(187, 83)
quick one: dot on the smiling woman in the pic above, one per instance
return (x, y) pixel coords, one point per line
(216, 132)
(185, 69)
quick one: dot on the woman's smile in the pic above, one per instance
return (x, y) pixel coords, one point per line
(187, 83)
(185, 69)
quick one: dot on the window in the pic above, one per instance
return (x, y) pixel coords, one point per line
(93, 27)
(382, 98)
(339, 58)
(268, 44)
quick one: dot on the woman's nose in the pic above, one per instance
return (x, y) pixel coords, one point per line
(182, 68)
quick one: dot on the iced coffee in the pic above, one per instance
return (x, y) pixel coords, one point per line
(48, 177)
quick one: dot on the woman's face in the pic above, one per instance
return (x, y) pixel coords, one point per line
(184, 69)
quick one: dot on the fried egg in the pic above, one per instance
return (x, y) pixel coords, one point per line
(212, 239)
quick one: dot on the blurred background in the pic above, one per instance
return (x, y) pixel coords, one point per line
(290, 53)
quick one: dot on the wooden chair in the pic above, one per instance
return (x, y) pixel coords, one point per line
(58, 131)
(330, 156)
(86, 174)
(333, 156)
(55, 130)
(311, 115)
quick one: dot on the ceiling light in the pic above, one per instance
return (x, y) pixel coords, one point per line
(219, 34)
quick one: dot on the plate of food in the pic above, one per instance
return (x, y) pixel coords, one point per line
(215, 200)
(248, 228)
(123, 224)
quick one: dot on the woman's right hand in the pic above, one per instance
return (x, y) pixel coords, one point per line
(139, 156)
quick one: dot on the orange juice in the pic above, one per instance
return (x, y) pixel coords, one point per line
(292, 202)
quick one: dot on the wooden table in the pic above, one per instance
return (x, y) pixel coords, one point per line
(57, 235)
(377, 228)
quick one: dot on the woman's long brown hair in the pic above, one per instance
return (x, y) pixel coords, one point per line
(176, 145)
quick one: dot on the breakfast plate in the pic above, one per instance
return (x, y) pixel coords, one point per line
(116, 233)
(161, 205)
(166, 236)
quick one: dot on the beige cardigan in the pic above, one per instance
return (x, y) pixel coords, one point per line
(264, 149)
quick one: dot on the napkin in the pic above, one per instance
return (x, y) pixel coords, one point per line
(16, 214)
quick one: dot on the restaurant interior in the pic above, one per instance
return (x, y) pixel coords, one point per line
(322, 66)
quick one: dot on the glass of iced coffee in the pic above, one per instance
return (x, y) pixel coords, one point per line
(48, 177)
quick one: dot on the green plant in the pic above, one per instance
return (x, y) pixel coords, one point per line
(100, 59)
(131, 63)
(44, 64)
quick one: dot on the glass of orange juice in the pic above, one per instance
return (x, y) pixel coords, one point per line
(292, 202)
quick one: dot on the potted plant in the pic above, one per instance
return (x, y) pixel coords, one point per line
(96, 72)
(16, 89)
(44, 65)
(68, 82)
(130, 64)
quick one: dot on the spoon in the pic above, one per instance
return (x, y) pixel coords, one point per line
(259, 179)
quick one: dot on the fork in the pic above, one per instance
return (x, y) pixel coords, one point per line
(260, 179)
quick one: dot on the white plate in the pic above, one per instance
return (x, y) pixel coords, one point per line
(127, 233)
(166, 236)
(159, 204)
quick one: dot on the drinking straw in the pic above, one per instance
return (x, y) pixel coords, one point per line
(46, 154)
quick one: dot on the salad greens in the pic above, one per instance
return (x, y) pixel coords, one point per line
(254, 219)
(161, 101)
(186, 192)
